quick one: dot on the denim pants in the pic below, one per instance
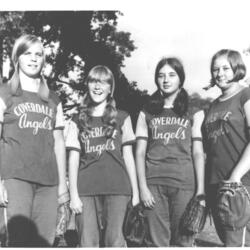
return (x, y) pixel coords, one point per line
(164, 217)
(101, 220)
(31, 214)
(229, 238)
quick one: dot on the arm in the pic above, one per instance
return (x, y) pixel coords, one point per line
(131, 170)
(3, 191)
(141, 146)
(59, 148)
(75, 202)
(72, 143)
(243, 165)
(127, 138)
(198, 152)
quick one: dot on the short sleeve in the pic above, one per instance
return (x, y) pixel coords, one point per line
(141, 127)
(71, 136)
(2, 109)
(245, 96)
(59, 118)
(128, 136)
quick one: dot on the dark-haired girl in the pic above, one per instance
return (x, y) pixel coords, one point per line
(226, 133)
(102, 185)
(169, 155)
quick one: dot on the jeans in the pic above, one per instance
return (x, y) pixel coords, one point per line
(101, 220)
(164, 217)
(31, 214)
(229, 238)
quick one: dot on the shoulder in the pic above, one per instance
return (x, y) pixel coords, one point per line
(5, 93)
(244, 95)
(54, 97)
(121, 114)
(5, 89)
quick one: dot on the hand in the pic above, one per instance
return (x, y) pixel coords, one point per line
(3, 195)
(76, 204)
(202, 202)
(135, 199)
(62, 188)
(147, 198)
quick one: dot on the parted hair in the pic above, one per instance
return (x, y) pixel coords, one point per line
(22, 44)
(155, 103)
(235, 60)
(100, 74)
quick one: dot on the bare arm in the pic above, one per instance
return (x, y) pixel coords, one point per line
(198, 153)
(59, 148)
(3, 191)
(73, 145)
(75, 202)
(141, 146)
(243, 165)
(131, 170)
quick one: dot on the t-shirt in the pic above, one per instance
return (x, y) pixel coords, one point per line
(102, 168)
(225, 133)
(168, 157)
(27, 143)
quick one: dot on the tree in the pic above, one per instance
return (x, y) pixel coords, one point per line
(92, 36)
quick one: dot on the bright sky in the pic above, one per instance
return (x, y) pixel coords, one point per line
(192, 30)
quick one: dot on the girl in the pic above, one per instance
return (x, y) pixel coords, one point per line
(169, 152)
(100, 187)
(226, 132)
(32, 148)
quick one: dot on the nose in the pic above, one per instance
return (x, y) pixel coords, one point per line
(33, 57)
(220, 71)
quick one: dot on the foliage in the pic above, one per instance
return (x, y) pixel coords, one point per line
(92, 36)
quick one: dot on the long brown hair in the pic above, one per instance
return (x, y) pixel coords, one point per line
(99, 73)
(22, 44)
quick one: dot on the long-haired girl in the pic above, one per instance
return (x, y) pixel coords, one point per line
(100, 186)
(169, 155)
(32, 149)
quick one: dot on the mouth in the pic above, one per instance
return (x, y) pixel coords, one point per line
(32, 66)
(97, 92)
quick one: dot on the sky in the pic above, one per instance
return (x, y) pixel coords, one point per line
(192, 30)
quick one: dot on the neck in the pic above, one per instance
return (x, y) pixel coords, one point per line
(99, 109)
(169, 100)
(233, 89)
(28, 83)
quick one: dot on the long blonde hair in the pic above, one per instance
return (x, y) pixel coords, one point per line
(22, 44)
(99, 73)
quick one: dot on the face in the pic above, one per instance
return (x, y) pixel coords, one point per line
(222, 72)
(99, 91)
(168, 80)
(32, 60)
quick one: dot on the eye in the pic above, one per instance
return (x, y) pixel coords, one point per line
(161, 75)
(39, 54)
(172, 74)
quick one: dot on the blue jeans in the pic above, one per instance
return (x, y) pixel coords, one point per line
(229, 238)
(164, 218)
(31, 214)
(102, 219)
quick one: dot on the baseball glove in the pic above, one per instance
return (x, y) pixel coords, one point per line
(135, 226)
(63, 214)
(233, 205)
(194, 216)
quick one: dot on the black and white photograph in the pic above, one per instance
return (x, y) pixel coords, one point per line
(125, 123)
